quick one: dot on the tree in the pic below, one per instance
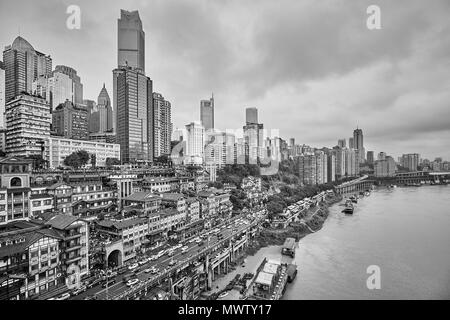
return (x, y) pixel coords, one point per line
(77, 159)
(112, 162)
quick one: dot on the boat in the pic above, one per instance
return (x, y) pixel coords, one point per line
(367, 193)
(354, 199)
(270, 280)
(289, 247)
(348, 208)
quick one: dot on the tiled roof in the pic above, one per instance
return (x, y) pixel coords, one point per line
(142, 196)
(61, 221)
(172, 196)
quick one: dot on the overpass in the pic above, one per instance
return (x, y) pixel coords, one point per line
(233, 242)
(356, 185)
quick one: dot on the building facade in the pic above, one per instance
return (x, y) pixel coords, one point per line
(71, 121)
(162, 125)
(207, 113)
(28, 123)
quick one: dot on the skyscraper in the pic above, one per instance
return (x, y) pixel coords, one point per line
(77, 86)
(341, 143)
(195, 141)
(2, 96)
(351, 143)
(358, 141)
(207, 113)
(132, 92)
(23, 65)
(134, 119)
(105, 111)
(162, 125)
(251, 115)
(292, 142)
(370, 157)
(130, 40)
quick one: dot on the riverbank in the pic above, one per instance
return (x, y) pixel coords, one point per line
(311, 221)
(270, 239)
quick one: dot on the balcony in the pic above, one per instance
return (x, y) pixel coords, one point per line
(75, 247)
(74, 235)
(73, 259)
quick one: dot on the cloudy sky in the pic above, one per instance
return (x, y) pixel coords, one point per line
(312, 68)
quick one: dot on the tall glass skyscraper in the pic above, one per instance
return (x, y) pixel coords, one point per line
(131, 40)
(133, 92)
(134, 119)
(207, 113)
(359, 143)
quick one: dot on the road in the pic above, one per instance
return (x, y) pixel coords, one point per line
(163, 262)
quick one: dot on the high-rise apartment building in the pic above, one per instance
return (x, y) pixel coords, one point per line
(381, 156)
(71, 121)
(351, 143)
(23, 65)
(219, 149)
(341, 143)
(410, 161)
(331, 167)
(307, 169)
(162, 125)
(28, 123)
(131, 41)
(2, 96)
(207, 113)
(351, 163)
(385, 168)
(195, 141)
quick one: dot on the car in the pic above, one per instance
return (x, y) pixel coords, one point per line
(151, 270)
(184, 249)
(172, 262)
(133, 266)
(64, 296)
(79, 290)
(142, 262)
(132, 282)
(94, 283)
(223, 294)
(92, 297)
(109, 283)
(122, 270)
(198, 240)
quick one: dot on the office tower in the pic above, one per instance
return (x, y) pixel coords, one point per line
(207, 113)
(195, 141)
(77, 86)
(23, 65)
(410, 161)
(132, 92)
(382, 156)
(2, 96)
(385, 168)
(104, 101)
(341, 143)
(351, 143)
(134, 118)
(28, 123)
(162, 125)
(358, 141)
(321, 167)
(71, 121)
(370, 157)
(251, 115)
(131, 41)
(292, 142)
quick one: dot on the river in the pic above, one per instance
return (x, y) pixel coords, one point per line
(403, 231)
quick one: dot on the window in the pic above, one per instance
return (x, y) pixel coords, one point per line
(16, 182)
